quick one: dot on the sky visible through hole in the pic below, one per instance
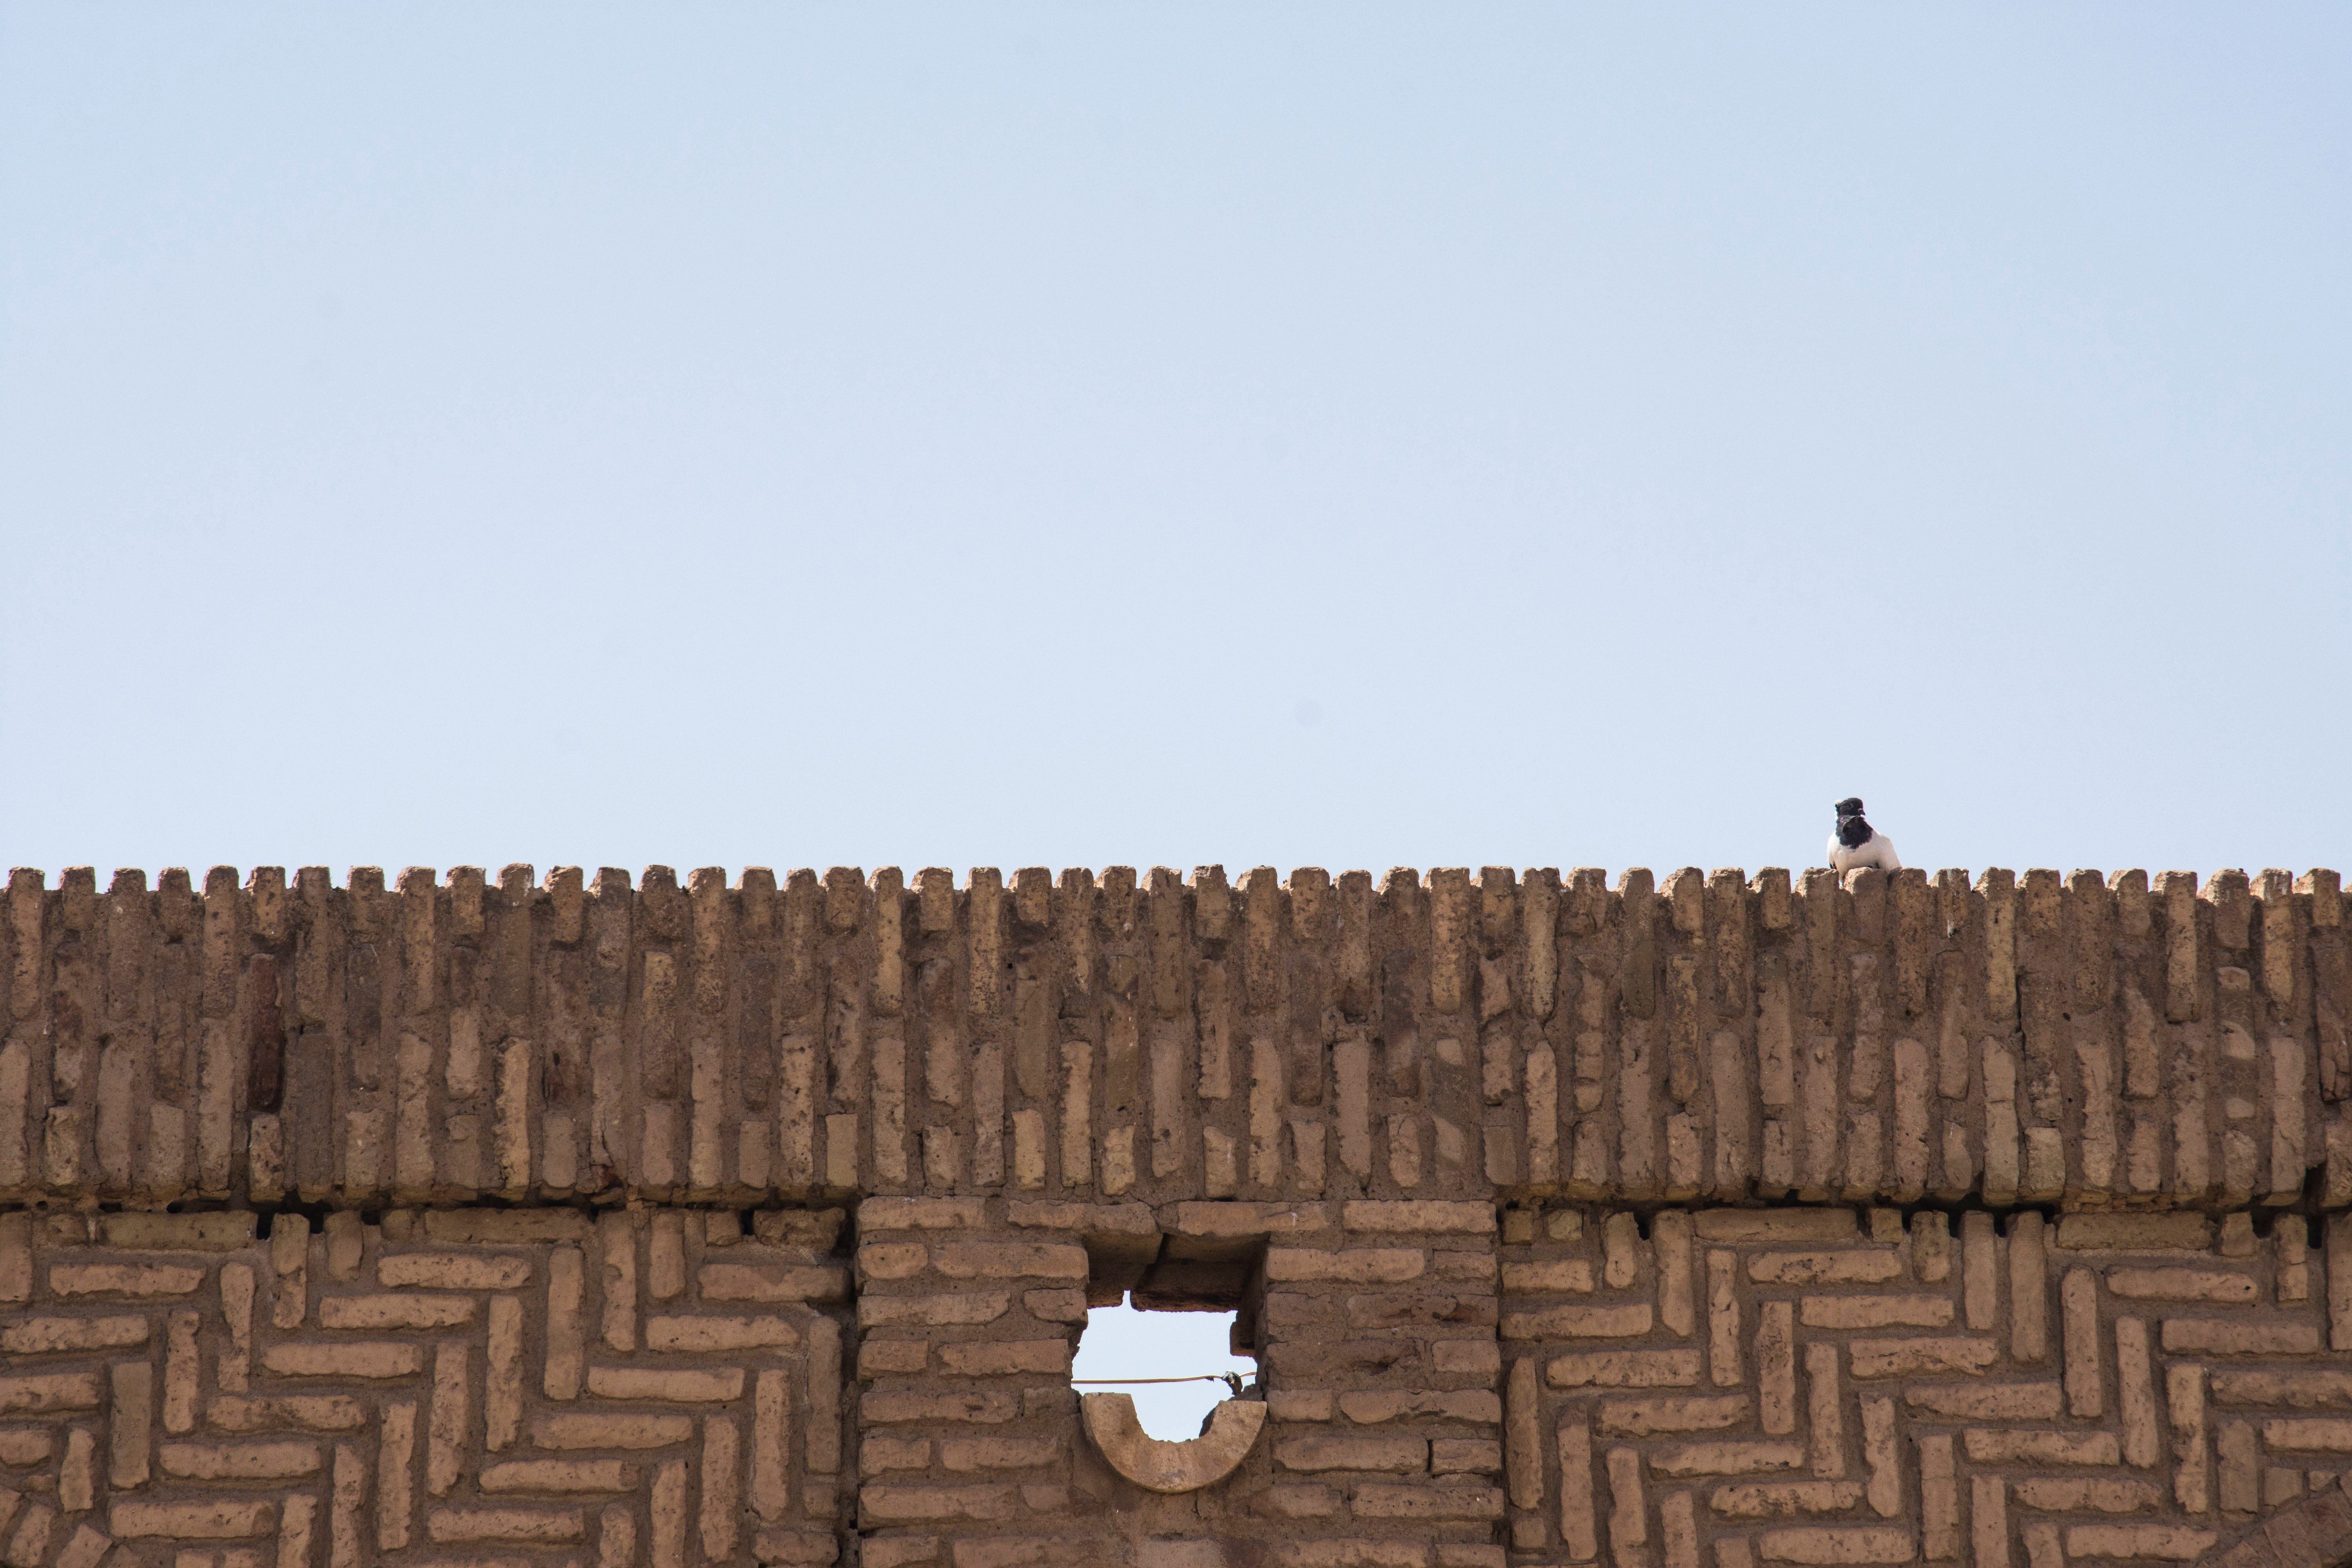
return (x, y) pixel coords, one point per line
(1120, 1341)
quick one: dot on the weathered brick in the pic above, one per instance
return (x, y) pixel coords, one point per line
(559, 1475)
(1003, 1357)
(962, 1454)
(343, 1359)
(617, 1430)
(1858, 1266)
(922, 1214)
(1432, 1502)
(124, 1278)
(453, 1271)
(51, 1336)
(1314, 1452)
(718, 1334)
(1373, 1406)
(1624, 1369)
(1557, 1276)
(238, 1461)
(680, 1386)
(224, 1519)
(395, 1311)
(1424, 1216)
(1362, 1266)
(896, 1504)
(971, 1405)
(1654, 1417)
(166, 1232)
(2221, 1336)
(966, 1309)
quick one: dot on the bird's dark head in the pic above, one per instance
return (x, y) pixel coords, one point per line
(1849, 807)
(1851, 830)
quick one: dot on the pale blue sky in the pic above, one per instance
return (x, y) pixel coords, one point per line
(1122, 1342)
(1343, 435)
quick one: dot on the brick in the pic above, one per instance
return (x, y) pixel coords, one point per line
(1373, 1406)
(517, 1524)
(224, 1519)
(967, 1454)
(1921, 1357)
(919, 1504)
(968, 1308)
(238, 1461)
(1875, 1311)
(1467, 1357)
(51, 1336)
(1424, 1216)
(1347, 1554)
(1731, 1458)
(1301, 1404)
(1623, 1369)
(967, 1406)
(1395, 1456)
(1056, 1306)
(771, 1283)
(610, 1431)
(1653, 1417)
(2069, 1496)
(2135, 1233)
(1362, 1266)
(2219, 1336)
(1986, 1402)
(302, 1412)
(2330, 1437)
(559, 1477)
(1005, 1357)
(342, 1359)
(507, 1228)
(718, 1334)
(1433, 1502)
(1810, 1226)
(922, 1214)
(1465, 1456)
(677, 1386)
(1010, 1261)
(1784, 1500)
(878, 1358)
(452, 1271)
(395, 1311)
(2171, 1543)
(1578, 1322)
(184, 1232)
(1556, 1276)
(1827, 1545)
(1243, 1221)
(124, 1278)
(1988, 1445)
(893, 1259)
(2181, 1285)
(1870, 1267)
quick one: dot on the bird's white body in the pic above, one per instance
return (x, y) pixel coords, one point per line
(1875, 850)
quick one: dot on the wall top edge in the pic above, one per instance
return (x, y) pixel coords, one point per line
(518, 877)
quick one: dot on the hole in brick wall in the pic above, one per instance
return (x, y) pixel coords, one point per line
(1124, 1341)
(1171, 1307)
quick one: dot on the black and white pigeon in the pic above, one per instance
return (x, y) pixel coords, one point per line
(1856, 843)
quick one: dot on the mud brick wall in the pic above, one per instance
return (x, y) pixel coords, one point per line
(1708, 1222)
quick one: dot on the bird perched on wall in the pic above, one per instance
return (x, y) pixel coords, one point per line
(1856, 843)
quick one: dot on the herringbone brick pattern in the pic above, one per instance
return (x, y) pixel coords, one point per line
(1792, 1387)
(638, 1388)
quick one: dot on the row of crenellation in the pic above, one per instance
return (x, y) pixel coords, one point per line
(2153, 1041)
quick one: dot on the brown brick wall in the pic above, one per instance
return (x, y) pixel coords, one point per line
(1725, 1222)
